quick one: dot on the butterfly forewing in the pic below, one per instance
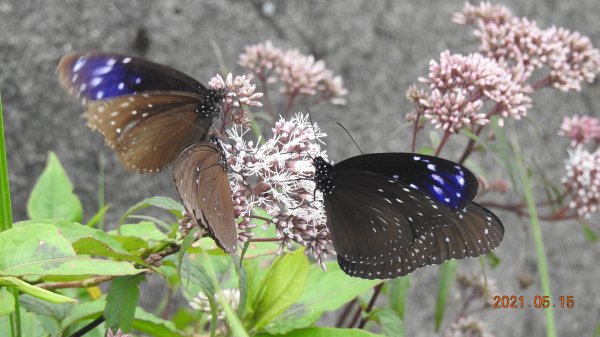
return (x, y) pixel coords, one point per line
(95, 76)
(372, 217)
(147, 112)
(201, 178)
(471, 232)
(449, 183)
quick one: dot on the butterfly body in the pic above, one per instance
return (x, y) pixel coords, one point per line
(391, 213)
(147, 112)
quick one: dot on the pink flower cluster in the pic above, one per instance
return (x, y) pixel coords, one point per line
(239, 91)
(582, 180)
(520, 45)
(298, 74)
(276, 176)
(581, 130)
(461, 85)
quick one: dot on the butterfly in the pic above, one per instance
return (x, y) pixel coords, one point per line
(200, 174)
(147, 112)
(392, 213)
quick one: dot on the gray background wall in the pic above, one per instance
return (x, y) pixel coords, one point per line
(378, 47)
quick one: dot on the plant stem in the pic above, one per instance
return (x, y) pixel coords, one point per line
(443, 142)
(376, 292)
(345, 313)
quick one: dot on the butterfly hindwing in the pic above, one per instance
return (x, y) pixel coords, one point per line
(471, 232)
(95, 76)
(451, 184)
(201, 178)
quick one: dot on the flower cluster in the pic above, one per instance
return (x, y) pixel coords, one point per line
(477, 286)
(582, 169)
(201, 303)
(277, 177)
(298, 74)
(468, 327)
(460, 86)
(581, 130)
(582, 180)
(119, 333)
(519, 44)
(239, 91)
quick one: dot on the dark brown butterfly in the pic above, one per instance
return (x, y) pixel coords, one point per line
(148, 113)
(200, 174)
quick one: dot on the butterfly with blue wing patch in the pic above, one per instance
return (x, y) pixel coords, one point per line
(147, 112)
(391, 213)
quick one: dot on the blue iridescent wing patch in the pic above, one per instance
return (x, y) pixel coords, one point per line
(97, 76)
(451, 184)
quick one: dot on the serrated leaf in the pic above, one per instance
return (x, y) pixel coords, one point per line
(52, 195)
(325, 332)
(447, 274)
(282, 286)
(160, 202)
(324, 291)
(7, 302)
(121, 302)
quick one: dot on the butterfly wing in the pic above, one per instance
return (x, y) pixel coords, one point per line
(94, 76)
(147, 112)
(201, 179)
(373, 218)
(149, 130)
(449, 183)
(471, 232)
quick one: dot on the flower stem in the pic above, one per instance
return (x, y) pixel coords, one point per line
(376, 292)
(443, 142)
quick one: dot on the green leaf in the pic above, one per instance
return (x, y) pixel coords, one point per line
(121, 302)
(398, 289)
(324, 291)
(325, 332)
(39, 306)
(30, 323)
(52, 196)
(153, 326)
(160, 202)
(34, 291)
(89, 241)
(7, 302)
(597, 330)
(390, 323)
(447, 274)
(199, 280)
(282, 286)
(40, 249)
(589, 233)
(493, 259)
(98, 216)
(84, 311)
(144, 230)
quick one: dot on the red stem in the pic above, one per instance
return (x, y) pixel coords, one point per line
(443, 142)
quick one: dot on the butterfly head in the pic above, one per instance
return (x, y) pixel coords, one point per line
(323, 175)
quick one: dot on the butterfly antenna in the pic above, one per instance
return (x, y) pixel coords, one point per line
(358, 147)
